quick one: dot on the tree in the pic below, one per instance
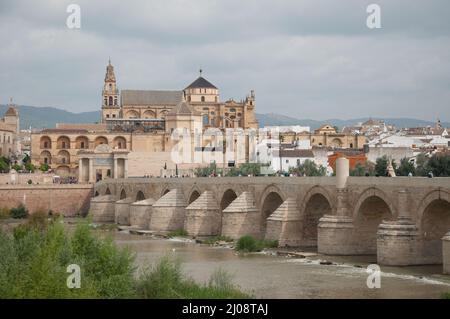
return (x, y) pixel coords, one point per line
(439, 164)
(421, 165)
(4, 165)
(381, 165)
(308, 168)
(44, 167)
(405, 168)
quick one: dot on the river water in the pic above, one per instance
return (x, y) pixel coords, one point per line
(270, 276)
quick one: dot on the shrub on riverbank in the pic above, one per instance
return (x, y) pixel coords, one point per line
(166, 281)
(178, 233)
(250, 244)
(19, 212)
(36, 255)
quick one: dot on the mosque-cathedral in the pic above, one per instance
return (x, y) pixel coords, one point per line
(140, 123)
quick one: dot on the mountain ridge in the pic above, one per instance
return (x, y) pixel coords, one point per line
(47, 117)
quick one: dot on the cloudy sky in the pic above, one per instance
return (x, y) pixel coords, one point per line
(308, 59)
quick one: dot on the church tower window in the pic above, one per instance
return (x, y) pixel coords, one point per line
(110, 100)
(203, 99)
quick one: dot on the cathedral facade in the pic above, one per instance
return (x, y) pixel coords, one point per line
(141, 122)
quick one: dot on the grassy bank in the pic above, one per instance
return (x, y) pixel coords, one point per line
(36, 254)
(250, 244)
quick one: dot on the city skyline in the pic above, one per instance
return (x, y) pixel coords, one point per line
(302, 59)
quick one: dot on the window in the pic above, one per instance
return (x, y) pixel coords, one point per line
(110, 100)
(119, 144)
(205, 119)
(298, 162)
(63, 144)
(46, 160)
(63, 160)
(82, 145)
(107, 116)
(45, 144)
(115, 101)
(233, 110)
(203, 99)
(114, 115)
(351, 145)
(106, 101)
(287, 161)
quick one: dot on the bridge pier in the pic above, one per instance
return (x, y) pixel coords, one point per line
(203, 216)
(102, 209)
(140, 213)
(241, 218)
(284, 225)
(446, 253)
(397, 241)
(122, 211)
(168, 212)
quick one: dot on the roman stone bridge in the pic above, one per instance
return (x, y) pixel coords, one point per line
(401, 219)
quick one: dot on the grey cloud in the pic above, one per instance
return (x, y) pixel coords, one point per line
(311, 59)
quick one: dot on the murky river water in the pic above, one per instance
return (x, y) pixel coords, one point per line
(269, 276)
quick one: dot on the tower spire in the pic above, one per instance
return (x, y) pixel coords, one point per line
(200, 71)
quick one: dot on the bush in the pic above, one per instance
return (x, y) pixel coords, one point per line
(247, 244)
(44, 167)
(165, 280)
(250, 244)
(178, 233)
(19, 212)
(445, 295)
(34, 264)
(17, 167)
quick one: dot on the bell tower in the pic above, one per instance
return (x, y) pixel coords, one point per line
(110, 95)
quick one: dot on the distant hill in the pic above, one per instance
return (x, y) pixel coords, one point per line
(277, 119)
(47, 117)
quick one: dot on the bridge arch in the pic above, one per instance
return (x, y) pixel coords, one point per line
(434, 223)
(140, 196)
(271, 198)
(316, 204)
(373, 206)
(193, 195)
(123, 194)
(228, 196)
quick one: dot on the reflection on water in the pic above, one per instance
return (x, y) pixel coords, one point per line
(267, 276)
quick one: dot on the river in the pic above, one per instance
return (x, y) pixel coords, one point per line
(271, 276)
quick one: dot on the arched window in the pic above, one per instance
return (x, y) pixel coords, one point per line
(203, 99)
(110, 100)
(115, 101)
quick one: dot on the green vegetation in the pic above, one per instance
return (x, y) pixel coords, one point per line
(44, 167)
(178, 233)
(445, 295)
(249, 244)
(253, 169)
(166, 280)
(4, 165)
(36, 255)
(405, 168)
(5, 213)
(366, 169)
(213, 240)
(19, 212)
(16, 167)
(308, 168)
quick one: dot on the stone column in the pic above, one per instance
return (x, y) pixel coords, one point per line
(125, 172)
(446, 253)
(115, 169)
(91, 171)
(397, 241)
(80, 171)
